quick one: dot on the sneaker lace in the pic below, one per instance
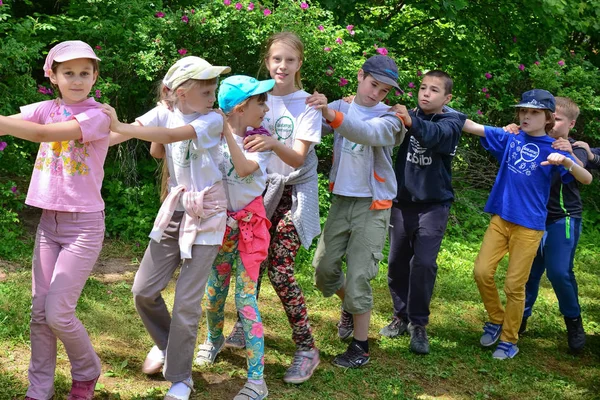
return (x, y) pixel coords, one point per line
(420, 332)
(346, 319)
(297, 362)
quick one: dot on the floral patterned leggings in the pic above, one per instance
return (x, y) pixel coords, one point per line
(280, 265)
(245, 302)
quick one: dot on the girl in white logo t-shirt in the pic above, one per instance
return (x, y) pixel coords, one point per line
(295, 128)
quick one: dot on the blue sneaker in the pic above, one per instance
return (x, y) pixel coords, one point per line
(505, 350)
(491, 333)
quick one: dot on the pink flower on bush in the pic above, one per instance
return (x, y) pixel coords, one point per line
(3, 145)
(488, 75)
(182, 51)
(409, 94)
(411, 85)
(521, 67)
(349, 28)
(1, 4)
(159, 14)
(484, 90)
(327, 49)
(537, 63)
(98, 94)
(304, 5)
(321, 28)
(419, 73)
(479, 112)
(339, 41)
(238, 6)
(98, 47)
(514, 39)
(248, 312)
(487, 95)
(267, 12)
(383, 51)
(257, 329)
(193, 11)
(399, 92)
(343, 82)
(44, 90)
(185, 19)
(329, 71)
(13, 189)
(250, 6)
(561, 63)
(227, 2)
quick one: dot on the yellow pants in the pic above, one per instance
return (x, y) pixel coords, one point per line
(521, 243)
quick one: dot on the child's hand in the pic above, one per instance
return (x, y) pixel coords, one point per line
(260, 143)
(402, 113)
(114, 120)
(562, 144)
(512, 128)
(578, 143)
(558, 159)
(319, 101)
(348, 99)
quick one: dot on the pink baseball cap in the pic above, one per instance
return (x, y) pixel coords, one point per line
(69, 50)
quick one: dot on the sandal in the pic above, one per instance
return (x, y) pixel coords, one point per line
(208, 351)
(252, 391)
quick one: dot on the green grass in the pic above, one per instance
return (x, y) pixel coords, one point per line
(457, 368)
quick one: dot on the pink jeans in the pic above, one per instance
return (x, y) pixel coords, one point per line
(67, 246)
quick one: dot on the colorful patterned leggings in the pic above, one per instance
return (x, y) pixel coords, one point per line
(245, 302)
(280, 264)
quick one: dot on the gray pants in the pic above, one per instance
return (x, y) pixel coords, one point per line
(176, 335)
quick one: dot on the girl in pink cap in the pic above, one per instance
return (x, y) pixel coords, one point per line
(74, 134)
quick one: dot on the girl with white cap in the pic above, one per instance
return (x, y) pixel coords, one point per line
(74, 134)
(190, 225)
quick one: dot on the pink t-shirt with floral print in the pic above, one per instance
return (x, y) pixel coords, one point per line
(67, 176)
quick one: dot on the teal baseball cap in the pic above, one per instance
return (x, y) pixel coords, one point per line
(235, 89)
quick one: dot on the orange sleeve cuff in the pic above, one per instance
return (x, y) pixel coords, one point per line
(381, 204)
(337, 121)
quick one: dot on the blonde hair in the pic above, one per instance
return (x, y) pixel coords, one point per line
(170, 97)
(568, 106)
(292, 40)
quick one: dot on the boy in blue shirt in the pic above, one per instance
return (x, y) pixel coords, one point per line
(518, 203)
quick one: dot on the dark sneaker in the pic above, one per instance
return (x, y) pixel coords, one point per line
(523, 327)
(419, 343)
(353, 357)
(303, 365)
(575, 333)
(491, 333)
(395, 328)
(346, 325)
(505, 350)
(236, 338)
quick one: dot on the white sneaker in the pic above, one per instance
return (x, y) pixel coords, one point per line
(154, 361)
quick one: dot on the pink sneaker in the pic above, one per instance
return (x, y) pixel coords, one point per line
(82, 390)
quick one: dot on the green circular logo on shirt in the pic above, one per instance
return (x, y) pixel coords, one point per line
(284, 127)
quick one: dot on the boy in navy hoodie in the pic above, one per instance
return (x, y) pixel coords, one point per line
(421, 207)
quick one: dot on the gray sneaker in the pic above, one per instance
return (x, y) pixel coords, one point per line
(395, 328)
(303, 366)
(346, 325)
(419, 342)
(252, 391)
(236, 338)
(208, 351)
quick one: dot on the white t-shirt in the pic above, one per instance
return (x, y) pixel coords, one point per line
(353, 172)
(241, 191)
(193, 163)
(288, 119)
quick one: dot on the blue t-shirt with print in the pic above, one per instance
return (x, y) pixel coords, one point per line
(522, 188)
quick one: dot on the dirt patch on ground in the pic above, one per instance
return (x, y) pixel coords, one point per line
(114, 269)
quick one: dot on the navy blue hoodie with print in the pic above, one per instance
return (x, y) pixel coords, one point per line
(423, 164)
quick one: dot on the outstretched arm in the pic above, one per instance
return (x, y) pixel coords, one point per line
(148, 133)
(474, 128)
(34, 132)
(581, 174)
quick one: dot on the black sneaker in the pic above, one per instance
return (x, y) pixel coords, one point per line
(523, 327)
(353, 357)
(346, 325)
(395, 328)
(419, 343)
(575, 333)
